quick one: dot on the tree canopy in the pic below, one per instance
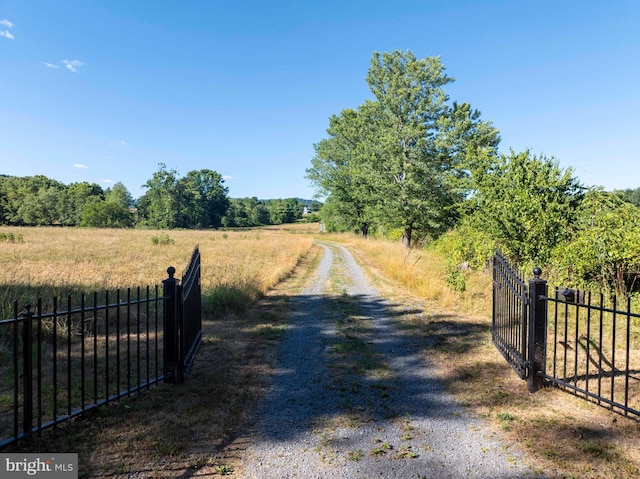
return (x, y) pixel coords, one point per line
(395, 160)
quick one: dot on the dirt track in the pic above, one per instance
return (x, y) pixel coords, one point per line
(351, 398)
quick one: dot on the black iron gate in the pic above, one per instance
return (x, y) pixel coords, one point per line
(510, 315)
(183, 320)
(593, 342)
(519, 320)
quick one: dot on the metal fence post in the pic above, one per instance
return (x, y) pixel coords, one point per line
(171, 337)
(537, 331)
(27, 369)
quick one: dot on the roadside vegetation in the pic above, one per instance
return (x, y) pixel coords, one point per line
(566, 436)
(416, 166)
(202, 424)
(421, 180)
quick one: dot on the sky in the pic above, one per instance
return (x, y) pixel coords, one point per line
(105, 91)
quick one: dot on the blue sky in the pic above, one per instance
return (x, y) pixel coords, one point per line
(104, 91)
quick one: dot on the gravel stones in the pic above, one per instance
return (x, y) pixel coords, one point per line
(351, 397)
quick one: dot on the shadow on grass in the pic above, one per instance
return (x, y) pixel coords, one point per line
(203, 425)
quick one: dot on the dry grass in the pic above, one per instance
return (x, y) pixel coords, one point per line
(197, 429)
(193, 429)
(422, 273)
(52, 261)
(566, 436)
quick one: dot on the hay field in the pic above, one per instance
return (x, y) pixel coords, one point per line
(53, 261)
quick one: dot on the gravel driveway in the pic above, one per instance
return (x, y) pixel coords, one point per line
(350, 398)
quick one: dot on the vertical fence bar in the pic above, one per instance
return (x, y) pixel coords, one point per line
(155, 313)
(566, 341)
(69, 330)
(577, 344)
(27, 369)
(95, 347)
(627, 362)
(537, 331)
(138, 336)
(106, 344)
(82, 352)
(524, 324)
(39, 393)
(148, 371)
(55, 358)
(180, 336)
(171, 360)
(613, 349)
(118, 343)
(555, 332)
(588, 346)
(129, 342)
(600, 335)
(16, 372)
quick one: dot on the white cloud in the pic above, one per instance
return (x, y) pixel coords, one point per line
(6, 34)
(80, 165)
(108, 181)
(227, 177)
(50, 65)
(72, 65)
(6, 23)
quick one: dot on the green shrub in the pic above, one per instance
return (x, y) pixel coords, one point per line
(465, 244)
(604, 252)
(11, 237)
(163, 239)
(456, 280)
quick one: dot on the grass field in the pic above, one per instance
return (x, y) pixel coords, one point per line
(200, 426)
(57, 261)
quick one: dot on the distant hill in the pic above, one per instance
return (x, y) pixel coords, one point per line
(308, 202)
(299, 200)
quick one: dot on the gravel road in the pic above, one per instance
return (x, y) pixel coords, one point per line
(351, 398)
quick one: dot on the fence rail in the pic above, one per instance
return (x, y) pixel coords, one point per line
(583, 343)
(509, 323)
(91, 350)
(77, 357)
(594, 346)
(183, 308)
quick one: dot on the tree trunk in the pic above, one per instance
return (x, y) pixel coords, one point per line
(406, 236)
(364, 230)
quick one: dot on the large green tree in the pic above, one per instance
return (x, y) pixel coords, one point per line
(159, 207)
(198, 200)
(204, 199)
(120, 195)
(398, 159)
(78, 196)
(341, 168)
(422, 141)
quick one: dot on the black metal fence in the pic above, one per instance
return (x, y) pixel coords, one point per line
(183, 319)
(594, 348)
(509, 319)
(585, 344)
(91, 350)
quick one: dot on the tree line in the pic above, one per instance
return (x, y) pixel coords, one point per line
(197, 200)
(413, 164)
